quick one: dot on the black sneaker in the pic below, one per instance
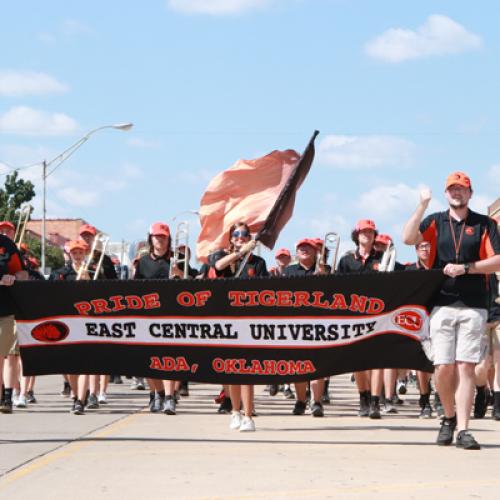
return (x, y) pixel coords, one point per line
(5, 406)
(426, 411)
(445, 435)
(396, 400)
(299, 408)
(273, 389)
(184, 389)
(466, 441)
(325, 398)
(92, 402)
(317, 409)
(66, 390)
(389, 408)
(288, 393)
(225, 406)
(364, 404)
(78, 407)
(375, 409)
(480, 405)
(30, 397)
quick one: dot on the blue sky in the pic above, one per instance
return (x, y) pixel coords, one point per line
(402, 92)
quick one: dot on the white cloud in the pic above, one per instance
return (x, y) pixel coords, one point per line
(131, 171)
(78, 197)
(215, 7)
(439, 35)
(21, 83)
(196, 176)
(394, 201)
(365, 151)
(138, 142)
(73, 27)
(29, 121)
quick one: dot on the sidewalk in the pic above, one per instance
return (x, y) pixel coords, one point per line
(122, 451)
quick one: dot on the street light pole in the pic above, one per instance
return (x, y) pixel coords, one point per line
(58, 160)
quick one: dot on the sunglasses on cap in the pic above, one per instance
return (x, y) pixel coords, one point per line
(243, 234)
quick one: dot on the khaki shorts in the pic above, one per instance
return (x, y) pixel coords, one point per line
(457, 334)
(7, 335)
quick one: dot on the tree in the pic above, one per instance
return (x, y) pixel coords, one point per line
(54, 256)
(15, 193)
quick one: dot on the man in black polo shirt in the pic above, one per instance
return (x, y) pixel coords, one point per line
(11, 268)
(466, 246)
(306, 266)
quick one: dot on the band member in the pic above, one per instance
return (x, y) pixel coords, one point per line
(107, 270)
(282, 259)
(11, 268)
(306, 266)
(466, 246)
(226, 263)
(155, 264)
(423, 250)
(365, 259)
(72, 271)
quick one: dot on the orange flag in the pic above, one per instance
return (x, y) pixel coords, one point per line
(245, 192)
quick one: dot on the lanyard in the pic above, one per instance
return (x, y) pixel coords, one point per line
(455, 244)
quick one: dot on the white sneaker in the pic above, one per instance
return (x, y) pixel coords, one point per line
(21, 402)
(235, 422)
(247, 425)
(102, 399)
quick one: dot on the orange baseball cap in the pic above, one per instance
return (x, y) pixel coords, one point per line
(87, 228)
(77, 245)
(6, 223)
(365, 224)
(306, 241)
(281, 252)
(385, 239)
(458, 178)
(159, 229)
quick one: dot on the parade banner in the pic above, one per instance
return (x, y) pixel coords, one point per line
(248, 331)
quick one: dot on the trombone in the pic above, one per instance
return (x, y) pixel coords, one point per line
(181, 239)
(332, 244)
(99, 245)
(388, 261)
(24, 215)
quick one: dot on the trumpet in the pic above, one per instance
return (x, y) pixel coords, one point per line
(181, 239)
(99, 245)
(24, 215)
(332, 244)
(388, 261)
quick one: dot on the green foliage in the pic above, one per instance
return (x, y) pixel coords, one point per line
(54, 256)
(15, 193)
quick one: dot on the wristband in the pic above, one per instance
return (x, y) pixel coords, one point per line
(466, 268)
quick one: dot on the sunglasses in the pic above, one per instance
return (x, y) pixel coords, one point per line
(243, 234)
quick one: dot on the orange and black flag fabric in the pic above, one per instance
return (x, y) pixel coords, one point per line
(259, 192)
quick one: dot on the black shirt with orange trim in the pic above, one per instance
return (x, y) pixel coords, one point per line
(299, 270)
(354, 262)
(66, 273)
(151, 267)
(255, 266)
(458, 242)
(10, 263)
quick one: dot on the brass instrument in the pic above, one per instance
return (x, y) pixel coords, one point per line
(388, 262)
(332, 244)
(24, 215)
(99, 245)
(181, 239)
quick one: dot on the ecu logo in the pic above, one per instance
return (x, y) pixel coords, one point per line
(50, 331)
(469, 231)
(408, 320)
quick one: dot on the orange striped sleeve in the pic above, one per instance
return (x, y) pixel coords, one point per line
(430, 234)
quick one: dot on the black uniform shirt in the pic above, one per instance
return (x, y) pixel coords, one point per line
(353, 262)
(255, 266)
(151, 267)
(458, 242)
(299, 270)
(10, 263)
